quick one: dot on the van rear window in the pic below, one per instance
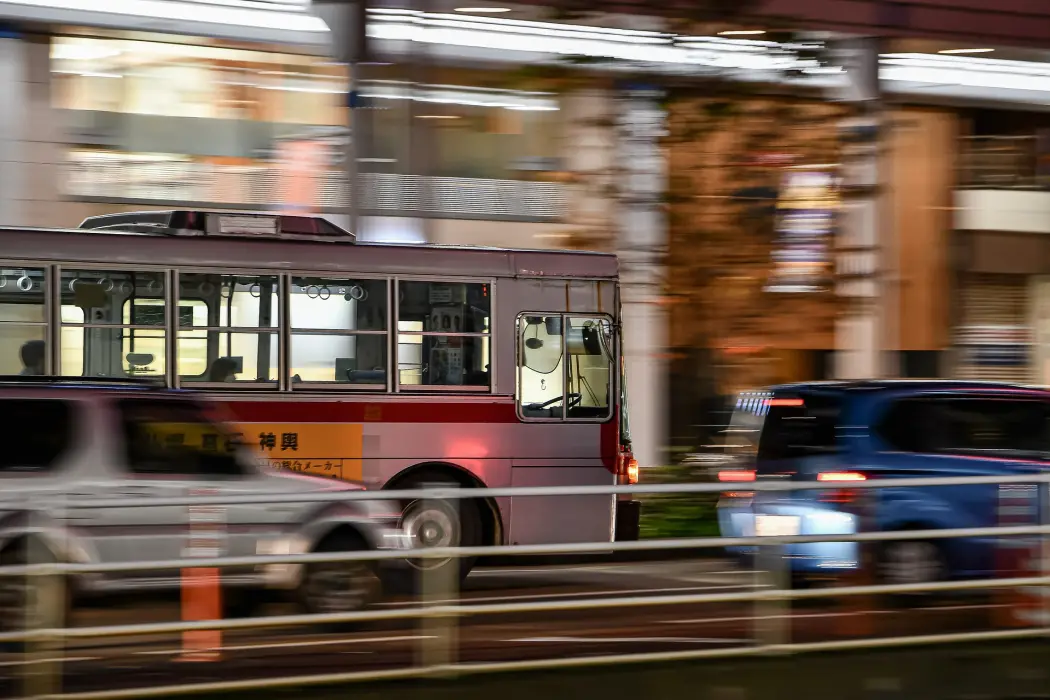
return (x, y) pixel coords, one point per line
(780, 426)
(798, 426)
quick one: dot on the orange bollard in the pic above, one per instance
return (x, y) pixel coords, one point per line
(202, 585)
(201, 600)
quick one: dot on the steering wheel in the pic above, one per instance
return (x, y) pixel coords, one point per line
(574, 400)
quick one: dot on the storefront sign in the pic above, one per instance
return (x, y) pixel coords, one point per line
(807, 211)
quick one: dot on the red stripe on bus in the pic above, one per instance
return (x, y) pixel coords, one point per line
(364, 412)
(610, 444)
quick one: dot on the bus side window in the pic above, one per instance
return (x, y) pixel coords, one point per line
(541, 372)
(444, 334)
(339, 332)
(590, 354)
(112, 323)
(23, 321)
(233, 337)
(565, 367)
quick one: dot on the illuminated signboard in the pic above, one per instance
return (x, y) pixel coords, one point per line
(807, 212)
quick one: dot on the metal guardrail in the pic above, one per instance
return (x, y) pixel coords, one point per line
(771, 597)
(264, 186)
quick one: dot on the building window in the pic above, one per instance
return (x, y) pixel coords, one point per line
(202, 82)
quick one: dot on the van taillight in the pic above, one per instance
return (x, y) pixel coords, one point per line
(840, 495)
(841, 476)
(736, 475)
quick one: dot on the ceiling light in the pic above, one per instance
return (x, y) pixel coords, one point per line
(950, 51)
(483, 10)
(742, 32)
(82, 51)
(236, 13)
(437, 116)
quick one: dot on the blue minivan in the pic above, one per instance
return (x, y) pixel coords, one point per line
(848, 432)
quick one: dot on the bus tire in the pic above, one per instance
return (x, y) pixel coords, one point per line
(434, 524)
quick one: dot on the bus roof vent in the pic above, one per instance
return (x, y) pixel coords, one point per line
(220, 224)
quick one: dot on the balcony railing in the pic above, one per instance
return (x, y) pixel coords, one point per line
(1004, 162)
(166, 182)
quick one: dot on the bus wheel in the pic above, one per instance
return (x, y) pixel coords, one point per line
(430, 524)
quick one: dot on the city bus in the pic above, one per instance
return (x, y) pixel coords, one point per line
(394, 366)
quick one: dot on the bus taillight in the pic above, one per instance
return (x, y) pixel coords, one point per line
(627, 468)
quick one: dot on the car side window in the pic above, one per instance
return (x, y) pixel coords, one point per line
(40, 430)
(175, 438)
(1009, 428)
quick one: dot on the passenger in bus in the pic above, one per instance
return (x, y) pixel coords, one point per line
(223, 369)
(32, 353)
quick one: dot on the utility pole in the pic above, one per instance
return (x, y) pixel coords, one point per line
(347, 23)
(866, 339)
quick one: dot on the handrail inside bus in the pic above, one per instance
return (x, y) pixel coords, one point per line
(35, 379)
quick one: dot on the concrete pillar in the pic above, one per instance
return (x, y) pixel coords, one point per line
(30, 152)
(866, 261)
(642, 245)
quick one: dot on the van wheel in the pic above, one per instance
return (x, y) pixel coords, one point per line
(20, 605)
(432, 524)
(338, 587)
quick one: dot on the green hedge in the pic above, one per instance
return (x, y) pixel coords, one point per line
(678, 515)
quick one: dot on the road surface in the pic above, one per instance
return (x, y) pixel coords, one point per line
(100, 664)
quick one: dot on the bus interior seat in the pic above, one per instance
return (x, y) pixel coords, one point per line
(139, 361)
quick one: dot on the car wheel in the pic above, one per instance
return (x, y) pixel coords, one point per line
(434, 524)
(338, 587)
(911, 562)
(20, 607)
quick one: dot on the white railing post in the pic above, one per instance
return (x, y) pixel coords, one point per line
(439, 584)
(45, 603)
(773, 611)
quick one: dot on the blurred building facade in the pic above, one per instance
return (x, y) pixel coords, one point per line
(727, 207)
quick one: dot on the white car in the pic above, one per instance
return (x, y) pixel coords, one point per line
(70, 443)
